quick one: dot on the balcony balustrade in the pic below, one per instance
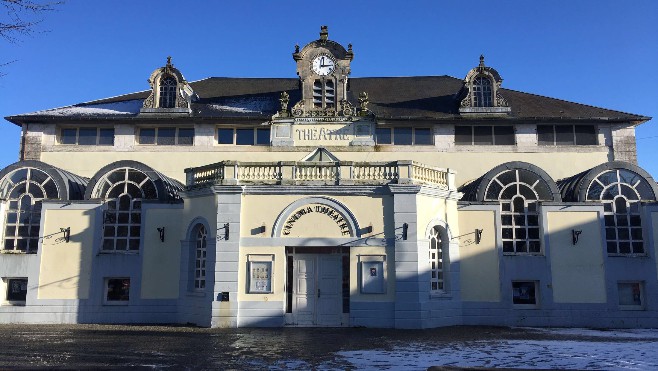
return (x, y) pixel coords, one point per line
(318, 173)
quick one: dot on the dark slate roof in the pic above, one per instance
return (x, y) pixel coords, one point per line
(419, 97)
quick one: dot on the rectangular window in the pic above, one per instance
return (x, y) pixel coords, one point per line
(16, 289)
(524, 292)
(565, 135)
(87, 136)
(630, 295)
(167, 136)
(117, 290)
(404, 136)
(484, 135)
(243, 136)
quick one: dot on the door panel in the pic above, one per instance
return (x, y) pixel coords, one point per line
(330, 300)
(304, 291)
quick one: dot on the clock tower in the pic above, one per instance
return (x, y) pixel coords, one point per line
(323, 67)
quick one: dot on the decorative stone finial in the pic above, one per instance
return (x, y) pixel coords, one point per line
(296, 48)
(481, 60)
(169, 61)
(363, 102)
(324, 33)
(284, 100)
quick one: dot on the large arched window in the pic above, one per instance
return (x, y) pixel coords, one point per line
(518, 191)
(620, 191)
(200, 250)
(123, 190)
(23, 190)
(482, 92)
(167, 92)
(438, 258)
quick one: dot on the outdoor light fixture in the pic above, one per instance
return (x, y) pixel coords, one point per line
(226, 230)
(478, 236)
(575, 235)
(161, 231)
(67, 233)
(405, 227)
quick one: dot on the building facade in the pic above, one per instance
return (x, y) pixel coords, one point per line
(325, 200)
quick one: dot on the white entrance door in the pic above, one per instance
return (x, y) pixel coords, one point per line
(317, 295)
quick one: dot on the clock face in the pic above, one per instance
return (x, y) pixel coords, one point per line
(323, 65)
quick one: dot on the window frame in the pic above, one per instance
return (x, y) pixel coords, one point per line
(535, 296)
(234, 135)
(482, 94)
(391, 134)
(200, 268)
(439, 263)
(177, 136)
(99, 129)
(321, 93)
(574, 135)
(641, 295)
(492, 136)
(12, 301)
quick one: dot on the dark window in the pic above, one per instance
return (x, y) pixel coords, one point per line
(484, 135)
(402, 136)
(166, 136)
(383, 136)
(482, 93)
(244, 137)
(147, 136)
(16, 289)
(225, 136)
(118, 289)
(630, 293)
(422, 136)
(89, 136)
(167, 92)
(263, 136)
(185, 137)
(524, 292)
(549, 135)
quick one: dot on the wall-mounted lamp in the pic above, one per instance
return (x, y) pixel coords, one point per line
(405, 227)
(67, 233)
(575, 235)
(161, 231)
(478, 236)
(226, 234)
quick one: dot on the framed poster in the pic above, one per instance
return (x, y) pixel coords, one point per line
(260, 274)
(373, 275)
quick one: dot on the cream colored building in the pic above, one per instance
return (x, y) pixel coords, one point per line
(325, 200)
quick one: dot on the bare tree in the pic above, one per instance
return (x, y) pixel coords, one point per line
(22, 16)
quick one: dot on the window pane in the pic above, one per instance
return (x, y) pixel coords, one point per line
(87, 136)
(106, 137)
(383, 135)
(17, 289)
(185, 137)
(545, 135)
(504, 135)
(564, 135)
(166, 136)
(263, 136)
(147, 136)
(118, 289)
(68, 136)
(463, 135)
(244, 137)
(225, 136)
(402, 136)
(482, 135)
(585, 135)
(422, 136)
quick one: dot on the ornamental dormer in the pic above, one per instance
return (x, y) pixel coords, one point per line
(170, 93)
(323, 67)
(481, 92)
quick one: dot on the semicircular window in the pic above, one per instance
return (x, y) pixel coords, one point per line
(123, 190)
(621, 191)
(23, 190)
(167, 92)
(518, 191)
(482, 92)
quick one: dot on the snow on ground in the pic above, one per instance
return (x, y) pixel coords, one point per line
(129, 107)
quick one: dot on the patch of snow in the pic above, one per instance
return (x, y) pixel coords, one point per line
(648, 334)
(244, 105)
(129, 107)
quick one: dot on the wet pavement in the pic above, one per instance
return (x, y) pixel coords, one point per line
(161, 347)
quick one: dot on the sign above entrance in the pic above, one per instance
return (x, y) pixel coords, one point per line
(314, 219)
(322, 133)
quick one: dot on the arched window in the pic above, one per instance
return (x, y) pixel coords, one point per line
(438, 259)
(200, 257)
(518, 191)
(621, 191)
(23, 190)
(167, 92)
(123, 189)
(482, 92)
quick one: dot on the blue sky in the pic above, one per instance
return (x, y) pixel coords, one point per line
(600, 53)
